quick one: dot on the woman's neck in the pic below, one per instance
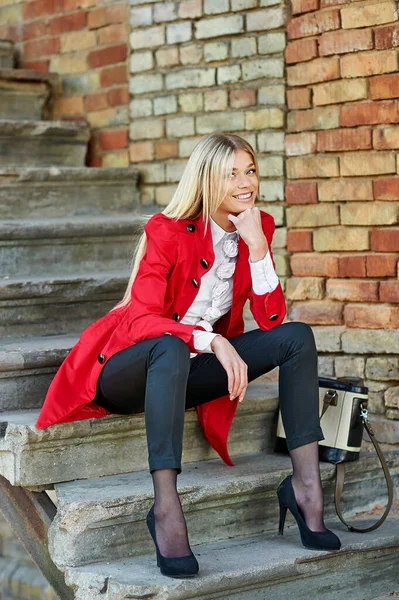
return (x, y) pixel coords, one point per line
(224, 222)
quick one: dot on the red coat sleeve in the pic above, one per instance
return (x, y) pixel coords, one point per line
(144, 312)
(268, 309)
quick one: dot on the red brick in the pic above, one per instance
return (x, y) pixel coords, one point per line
(386, 188)
(352, 266)
(118, 97)
(299, 98)
(37, 65)
(340, 42)
(381, 265)
(324, 117)
(352, 290)
(385, 240)
(301, 193)
(39, 8)
(369, 63)
(371, 317)
(72, 22)
(107, 15)
(300, 50)
(327, 3)
(317, 312)
(141, 152)
(303, 6)
(314, 265)
(95, 161)
(299, 241)
(386, 139)
(166, 149)
(114, 76)
(113, 140)
(242, 98)
(389, 291)
(343, 139)
(42, 47)
(367, 113)
(34, 30)
(95, 102)
(384, 86)
(113, 34)
(320, 69)
(387, 37)
(69, 5)
(300, 143)
(313, 24)
(108, 56)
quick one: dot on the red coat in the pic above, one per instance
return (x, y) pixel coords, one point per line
(165, 287)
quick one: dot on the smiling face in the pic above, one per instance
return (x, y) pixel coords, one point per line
(242, 188)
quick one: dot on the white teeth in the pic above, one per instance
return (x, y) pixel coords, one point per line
(244, 196)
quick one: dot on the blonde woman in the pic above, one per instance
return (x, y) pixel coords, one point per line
(176, 341)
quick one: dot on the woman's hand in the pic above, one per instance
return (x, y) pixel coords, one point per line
(249, 226)
(235, 367)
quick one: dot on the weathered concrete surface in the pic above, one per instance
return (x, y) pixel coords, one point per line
(105, 517)
(117, 444)
(80, 244)
(42, 143)
(22, 99)
(27, 368)
(67, 191)
(6, 54)
(266, 567)
(57, 305)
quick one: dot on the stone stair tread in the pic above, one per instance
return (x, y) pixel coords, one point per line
(28, 75)
(76, 129)
(71, 226)
(34, 352)
(243, 567)
(57, 285)
(61, 173)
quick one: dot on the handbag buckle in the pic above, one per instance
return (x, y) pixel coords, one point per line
(331, 398)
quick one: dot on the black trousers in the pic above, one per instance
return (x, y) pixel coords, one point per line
(157, 377)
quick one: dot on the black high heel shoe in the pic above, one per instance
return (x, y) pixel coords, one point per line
(184, 566)
(313, 540)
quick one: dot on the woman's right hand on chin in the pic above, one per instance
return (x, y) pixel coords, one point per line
(235, 367)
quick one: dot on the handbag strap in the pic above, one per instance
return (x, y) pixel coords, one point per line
(339, 484)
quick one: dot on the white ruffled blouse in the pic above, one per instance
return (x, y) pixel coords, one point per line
(215, 295)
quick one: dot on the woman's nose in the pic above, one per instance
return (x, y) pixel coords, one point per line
(243, 180)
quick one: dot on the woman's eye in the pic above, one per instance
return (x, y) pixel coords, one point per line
(251, 172)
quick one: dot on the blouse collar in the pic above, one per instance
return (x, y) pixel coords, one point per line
(219, 233)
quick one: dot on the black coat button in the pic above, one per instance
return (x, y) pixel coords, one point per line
(101, 358)
(190, 227)
(176, 317)
(273, 317)
(195, 283)
(204, 263)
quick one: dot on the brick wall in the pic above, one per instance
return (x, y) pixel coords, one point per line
(343, 186)
(86, 43)
(203, 65)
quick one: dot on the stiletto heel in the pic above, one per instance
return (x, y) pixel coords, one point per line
(283, 513)
(313, 540)
(179, 567)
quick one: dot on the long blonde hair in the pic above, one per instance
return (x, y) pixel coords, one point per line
(202, 187)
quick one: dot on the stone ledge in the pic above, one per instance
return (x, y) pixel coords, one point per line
(269, 567)
(104, 517)
(117, 444)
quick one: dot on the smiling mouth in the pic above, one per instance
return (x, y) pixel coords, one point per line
(244, 197)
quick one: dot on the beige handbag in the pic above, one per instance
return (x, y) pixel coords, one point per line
(343, 418)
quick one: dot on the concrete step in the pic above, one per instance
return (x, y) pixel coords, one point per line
(24, 94)
(105, 517)
(66, 191)
(42, 143)
(116, 444)
(265, 567)
(68, 245)
(41, 306)
(27, 367)
(7, 56)
(19, 581)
